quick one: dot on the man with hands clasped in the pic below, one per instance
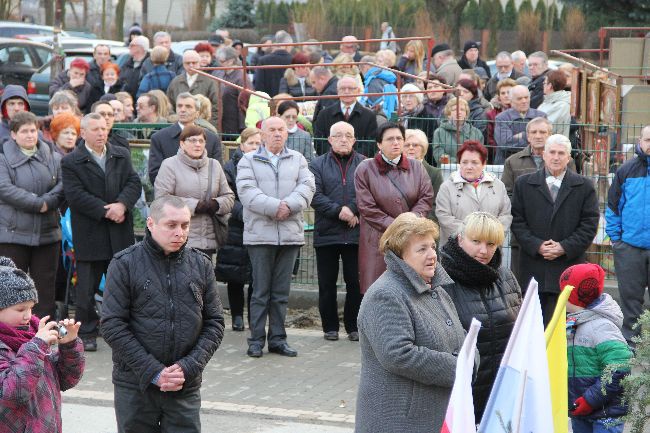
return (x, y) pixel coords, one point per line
(101, 189)
(163, 319)
(336, 230)
(275, 186)
(554, 218)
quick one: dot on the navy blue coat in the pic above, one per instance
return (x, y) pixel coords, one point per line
(334, 189)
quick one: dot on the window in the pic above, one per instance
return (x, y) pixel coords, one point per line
(15, 55)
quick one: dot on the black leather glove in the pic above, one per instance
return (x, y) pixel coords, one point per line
(212, 207)
(202, 207)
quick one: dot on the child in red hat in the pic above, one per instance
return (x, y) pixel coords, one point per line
(594, 341)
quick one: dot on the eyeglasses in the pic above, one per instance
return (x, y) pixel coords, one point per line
(393, 139)
(413, 145)
(106, 114)
(341, 136)
(195, 140)
(348, 89)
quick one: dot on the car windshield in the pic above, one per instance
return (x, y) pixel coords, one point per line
(10, 32)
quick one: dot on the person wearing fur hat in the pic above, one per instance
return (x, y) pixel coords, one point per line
(37, 361)
(471, 58)
(74, 79)
(594, 342)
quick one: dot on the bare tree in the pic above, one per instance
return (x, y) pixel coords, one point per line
(119, 20)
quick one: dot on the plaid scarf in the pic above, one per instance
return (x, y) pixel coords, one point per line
(14, 337)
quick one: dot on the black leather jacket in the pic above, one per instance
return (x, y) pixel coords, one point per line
(160, 310)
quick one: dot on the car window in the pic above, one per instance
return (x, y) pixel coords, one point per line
(10, 32)
(44, 54)
(15, 55)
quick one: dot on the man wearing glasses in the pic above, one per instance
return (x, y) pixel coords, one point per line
(106, 110)
(336, 230)
(165, 143)
(196, 84)
(362, 119)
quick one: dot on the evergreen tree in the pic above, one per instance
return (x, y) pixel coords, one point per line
(553, 17)
(540, 10)
(525, 6)
(485, 12)
(239, 15)
(510, 16)
(471, 14)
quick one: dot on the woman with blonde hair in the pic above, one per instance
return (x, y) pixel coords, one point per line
(205, 112)
(484, 288)
(412, 61)
(164, 107)
(444, 138)
(347, 71)
(386, 58)
(409, 334)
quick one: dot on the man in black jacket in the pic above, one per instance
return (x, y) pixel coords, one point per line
(324, 82)
(165, 143)
(362, 119)
(470, 58)
(163, 319)
(131, 71)
(268, 80)
(538, 66)
(554, 218)
(336, 230)
(101, 189)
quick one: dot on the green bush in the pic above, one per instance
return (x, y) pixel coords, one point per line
(471, 14)
(239, 15)
(540, 10)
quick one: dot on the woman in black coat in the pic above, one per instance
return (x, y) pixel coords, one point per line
(484, 289)
(233, 265)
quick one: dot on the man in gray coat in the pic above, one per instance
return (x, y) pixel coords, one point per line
(275, 186)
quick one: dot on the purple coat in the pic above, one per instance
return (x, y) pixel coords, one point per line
(31, 382)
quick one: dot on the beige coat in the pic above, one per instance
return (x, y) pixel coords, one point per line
(457, 198)
(187, 178)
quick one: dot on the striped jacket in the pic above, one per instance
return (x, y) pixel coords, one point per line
(594, 342)
(31, 381)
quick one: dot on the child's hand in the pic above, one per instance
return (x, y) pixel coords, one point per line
(73, 329)
(47, 331)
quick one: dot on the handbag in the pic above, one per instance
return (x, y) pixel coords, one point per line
(220, 222)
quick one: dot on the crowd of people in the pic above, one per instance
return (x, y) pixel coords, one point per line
(383, 207)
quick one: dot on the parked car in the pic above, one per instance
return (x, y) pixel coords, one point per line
(38, 88)
(179, 47)
(68, 42)
(19, 59)
(11, 29)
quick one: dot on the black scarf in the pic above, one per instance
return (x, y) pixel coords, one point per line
(466, 270)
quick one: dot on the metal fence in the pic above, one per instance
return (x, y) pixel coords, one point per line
(598, 152)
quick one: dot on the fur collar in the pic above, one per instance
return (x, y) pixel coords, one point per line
(384, 167)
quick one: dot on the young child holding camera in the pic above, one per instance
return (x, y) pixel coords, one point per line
(33, 371)
(594, 342)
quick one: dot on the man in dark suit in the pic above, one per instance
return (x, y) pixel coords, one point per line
(363, 120)
(101, 189)
(165, 143)
(555, 218)
(268, 80)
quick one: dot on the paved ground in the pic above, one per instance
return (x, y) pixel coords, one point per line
(314, 392)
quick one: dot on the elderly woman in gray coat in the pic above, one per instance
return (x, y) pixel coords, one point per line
(30, 194)
(410, 335)
(188, 175)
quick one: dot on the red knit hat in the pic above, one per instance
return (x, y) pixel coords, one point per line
(588, 281)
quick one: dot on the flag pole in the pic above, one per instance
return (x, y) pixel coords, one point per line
(520, 403)
(559, 311)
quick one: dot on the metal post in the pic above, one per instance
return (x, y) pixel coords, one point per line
(56, 65)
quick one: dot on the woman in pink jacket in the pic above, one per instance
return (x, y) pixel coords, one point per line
(33, 369)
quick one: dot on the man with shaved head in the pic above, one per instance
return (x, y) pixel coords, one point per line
(336, 230)
(193, 82)
(274, 186)
(362, 119)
